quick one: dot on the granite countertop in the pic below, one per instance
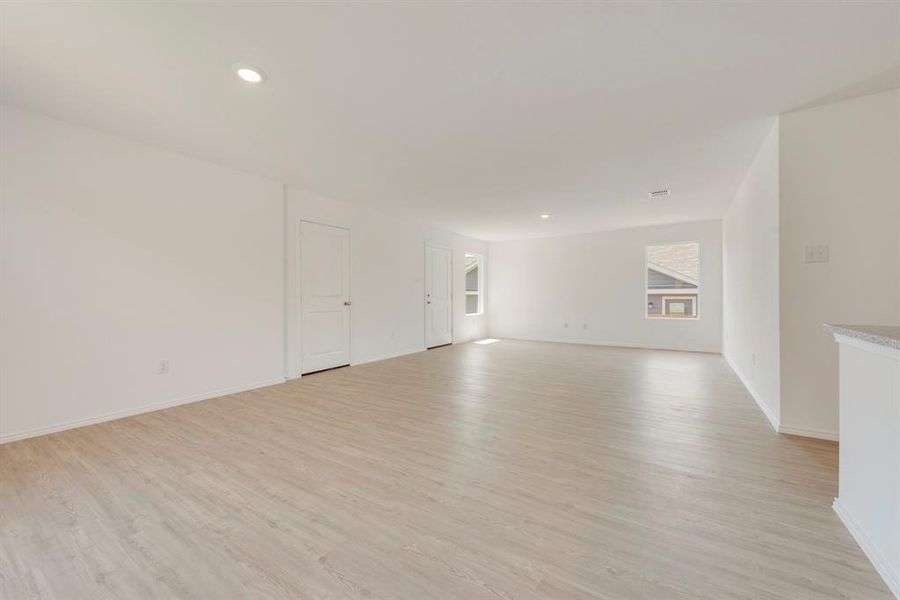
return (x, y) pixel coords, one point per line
(883, 335)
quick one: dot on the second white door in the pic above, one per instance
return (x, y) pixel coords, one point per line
(324, 297)
(438, 296)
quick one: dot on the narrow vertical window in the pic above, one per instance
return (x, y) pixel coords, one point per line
(474, 284)
(673, 281)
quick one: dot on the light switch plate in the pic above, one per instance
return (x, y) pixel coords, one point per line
(816, 254)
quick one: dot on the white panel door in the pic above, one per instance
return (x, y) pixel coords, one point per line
(324, 297)
(438, 296)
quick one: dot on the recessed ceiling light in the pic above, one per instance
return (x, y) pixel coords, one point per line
(249, 74)
(545, 216)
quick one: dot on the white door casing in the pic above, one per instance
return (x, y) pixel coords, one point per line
(324, 297)
(438, 296)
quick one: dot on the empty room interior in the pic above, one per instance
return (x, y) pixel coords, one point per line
(450, 300)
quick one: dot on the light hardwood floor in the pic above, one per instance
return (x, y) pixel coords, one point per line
(516, 470)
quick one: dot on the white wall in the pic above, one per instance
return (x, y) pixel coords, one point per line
(598, 280)
(116, 255)
(750, 327)
(387, 266)
(840, 186)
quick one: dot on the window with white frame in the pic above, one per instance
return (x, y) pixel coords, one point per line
(673, 281)
(474, 284)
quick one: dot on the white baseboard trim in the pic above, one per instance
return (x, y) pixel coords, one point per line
(366, 361)
(121, 414)
(676, 348)
(890, 576)
(770, 415)
(818, 434)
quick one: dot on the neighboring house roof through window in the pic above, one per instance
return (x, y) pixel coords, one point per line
(675, 262)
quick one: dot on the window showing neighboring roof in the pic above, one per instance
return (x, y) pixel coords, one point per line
(673, 281)
(474, 284)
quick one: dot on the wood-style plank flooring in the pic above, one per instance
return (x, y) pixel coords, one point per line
(514, 470)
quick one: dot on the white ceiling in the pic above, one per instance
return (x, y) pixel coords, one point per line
(475, 117)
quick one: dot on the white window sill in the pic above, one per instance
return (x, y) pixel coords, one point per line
(649, 318)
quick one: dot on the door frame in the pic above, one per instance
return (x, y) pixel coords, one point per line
(297, 367)
(425, 284)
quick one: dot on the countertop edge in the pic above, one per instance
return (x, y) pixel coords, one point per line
(887, 335)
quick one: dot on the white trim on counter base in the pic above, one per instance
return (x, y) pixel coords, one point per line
(881, 564)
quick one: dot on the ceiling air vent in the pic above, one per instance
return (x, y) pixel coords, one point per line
(660, 193)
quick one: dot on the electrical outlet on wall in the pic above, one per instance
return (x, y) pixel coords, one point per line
(816, 254)
(162, 368)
